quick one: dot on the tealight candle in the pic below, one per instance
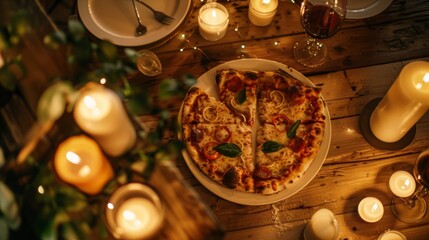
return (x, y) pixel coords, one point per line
(322, 226)
(100, 113)
(262, 12)
(134, 211)
(213, 21)
(80, 162)
(402, 184)
(392, 235)
(404, 104)
(370, 209)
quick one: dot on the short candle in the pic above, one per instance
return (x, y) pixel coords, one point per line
(134, 211)
(322, 226)
(370, 209)
(402, 184)
(100, 113)
(80, 162)
(392, 235)
(213, 21)
(404, 104)
(262, 12)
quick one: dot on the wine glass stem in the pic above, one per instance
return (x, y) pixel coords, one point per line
(421, 191)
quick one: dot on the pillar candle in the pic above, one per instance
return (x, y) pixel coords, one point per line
(392, 235)
(134, 211)
(100, 113)
(262, 12)
(80, 162)
(213, 21)
(322, 226)
(370, 209)
(402, 184)
(404, 104)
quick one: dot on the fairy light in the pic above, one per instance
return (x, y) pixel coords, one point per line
(103, 81)
(41, 189)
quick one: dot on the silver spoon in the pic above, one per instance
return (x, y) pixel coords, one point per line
(141, 29)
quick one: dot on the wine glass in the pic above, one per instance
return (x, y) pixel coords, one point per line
(320, 19)
(412, 209)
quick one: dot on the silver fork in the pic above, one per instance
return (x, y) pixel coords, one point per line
(140, 29)
(159, 16)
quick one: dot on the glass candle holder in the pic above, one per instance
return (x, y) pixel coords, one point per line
(262, 12)
(148, 63)
(134, 211)
(392, 235)
(213, 21)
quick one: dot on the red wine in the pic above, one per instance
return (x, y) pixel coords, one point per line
(421, 170)
(321, 21)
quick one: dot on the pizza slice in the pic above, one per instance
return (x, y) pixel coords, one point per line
(238, 89)
(282, 157)
(199, 107)
(222, 152)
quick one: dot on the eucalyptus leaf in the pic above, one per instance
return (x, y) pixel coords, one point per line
(49, 231)
(4, 230)
(7, 79)
(76, 29)
(53, 101)
(9, 207)
(228, 149)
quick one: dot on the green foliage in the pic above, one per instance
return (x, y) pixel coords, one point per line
(57, 210)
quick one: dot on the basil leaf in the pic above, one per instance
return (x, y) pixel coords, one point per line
(291, 132)
(271, 146)
(241, 96)
(228, 149)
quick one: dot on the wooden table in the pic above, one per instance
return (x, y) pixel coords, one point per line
(365, 57)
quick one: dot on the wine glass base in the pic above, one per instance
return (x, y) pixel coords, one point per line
(408, 214)
(310, 52)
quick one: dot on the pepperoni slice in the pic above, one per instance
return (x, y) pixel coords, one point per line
(262, 172)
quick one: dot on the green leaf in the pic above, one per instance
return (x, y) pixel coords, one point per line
(241, 96)
(109, 51)
(53, 101)
(168, 88)
(4, 231)
(271, 146)
(228, 149)
(291, 132)
(76, 29)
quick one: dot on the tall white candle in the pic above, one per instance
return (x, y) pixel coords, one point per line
(100, 113)
(213, 21)
(404, 104)
(402, 184)
(262, 12)
(370, 209)
(322, 226)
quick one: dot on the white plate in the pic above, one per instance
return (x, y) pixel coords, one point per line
(207, 83)
(358, 9)
(115, 20)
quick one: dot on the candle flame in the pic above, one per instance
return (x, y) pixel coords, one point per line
(132, 218)
(374, 207)
(266, 1)
(426, 78)
(214, 15)
(407, 183)
(110, 206)
(92, 105)
(73, 157)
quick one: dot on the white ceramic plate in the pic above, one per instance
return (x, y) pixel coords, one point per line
(358, 9)
(115, 20)
(207, 83)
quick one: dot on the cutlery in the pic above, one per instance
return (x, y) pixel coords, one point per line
(159, 16)
(141, 29)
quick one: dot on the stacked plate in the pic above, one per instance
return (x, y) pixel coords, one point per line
(115, 20)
